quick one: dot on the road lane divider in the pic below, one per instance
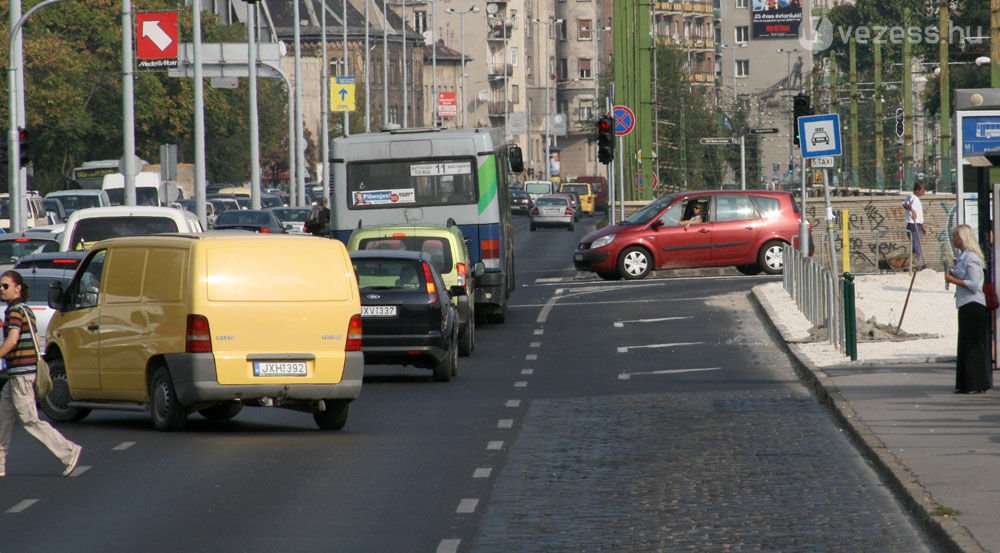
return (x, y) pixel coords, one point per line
(521, 384)
(621, 324)
(626, 349)
(448, 546)
(123, 446)
(513, 403)
(482, 472)
(22, 505)
(494, 445)
(505, 423)
(467, 506)
(627, 375)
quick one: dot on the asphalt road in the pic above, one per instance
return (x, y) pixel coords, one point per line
(628, 416)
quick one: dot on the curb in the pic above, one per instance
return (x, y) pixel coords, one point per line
(916, 498)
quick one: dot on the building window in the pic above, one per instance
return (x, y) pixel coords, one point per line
(562, 29)
(515, 93)
(337, 67)
(513, 57)
(563, 69)
(586, 111)
(742, 34)
(584, 29)
(528, 66)
(584, 64)
(420, 21)
(742, 4)
(563, 107)
(742, 68)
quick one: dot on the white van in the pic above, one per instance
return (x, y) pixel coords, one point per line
(149, 190)
(87, 226)
(73, 200)
(34, 214)
(536, 188)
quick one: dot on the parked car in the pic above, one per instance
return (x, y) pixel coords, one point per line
(73, 200)
(746, 229)
(87, 226)
(40, 272)
(407, 312)
(292, 218)
(553, 211)
(520, 202)
(449, 255)
(208, 323)
(14, 246)
(256, 220)
(33, 211)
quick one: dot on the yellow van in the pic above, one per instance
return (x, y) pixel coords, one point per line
(211, 322)
(586, 193)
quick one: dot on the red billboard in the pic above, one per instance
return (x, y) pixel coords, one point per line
(156, 39)
(447, 105)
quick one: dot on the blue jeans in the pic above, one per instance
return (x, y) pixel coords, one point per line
(916, 229)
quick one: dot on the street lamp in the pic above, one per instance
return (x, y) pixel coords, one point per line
(594, 68)
(788, 63)
(461, 18)
(548, 79)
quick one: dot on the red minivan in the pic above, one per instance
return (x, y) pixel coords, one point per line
(743, 228)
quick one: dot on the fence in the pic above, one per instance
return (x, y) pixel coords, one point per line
(817, 293)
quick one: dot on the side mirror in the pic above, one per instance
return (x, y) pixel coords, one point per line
(56, 295)
(516, 160)
(655, 225)
(479, 269)
(457, 291)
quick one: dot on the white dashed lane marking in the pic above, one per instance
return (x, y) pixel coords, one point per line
(535, 345)
(22, 505)
(123, 446)
(505, 423)
(467, 506)
(531, 357)
(626, 349)
(539, 331)
(521, 384)
(513, 403)
(448, 546)
(495, 445)
(527, 371)
(482, 472)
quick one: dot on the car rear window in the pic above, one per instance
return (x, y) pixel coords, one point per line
(88, 231)
(388, 274)
(581, 189)
(66, 263)
(39, 284)
(767, 206)
(12, 250)
(543, 202)
(73, 202)
(242, 218)
(438, 248)
(144, 195)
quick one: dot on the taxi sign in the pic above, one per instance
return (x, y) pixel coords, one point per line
(820, 135)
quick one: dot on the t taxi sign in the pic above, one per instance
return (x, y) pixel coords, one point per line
(156, 40)
(820, 135)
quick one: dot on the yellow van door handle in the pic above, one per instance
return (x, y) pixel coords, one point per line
(93, 327)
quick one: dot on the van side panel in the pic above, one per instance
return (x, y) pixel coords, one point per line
(275, 301)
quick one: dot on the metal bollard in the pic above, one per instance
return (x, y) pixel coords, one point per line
(850, 318)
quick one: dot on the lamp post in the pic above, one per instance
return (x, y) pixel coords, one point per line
(788, 63)
(595, 66)
(548, 79)
(461, 19)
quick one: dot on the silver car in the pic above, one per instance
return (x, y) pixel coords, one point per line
(552, 211)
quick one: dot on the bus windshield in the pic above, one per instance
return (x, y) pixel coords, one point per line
(411, 183)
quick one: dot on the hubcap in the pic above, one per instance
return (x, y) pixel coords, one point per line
(161, 399)
(635, 263)
(773, 258)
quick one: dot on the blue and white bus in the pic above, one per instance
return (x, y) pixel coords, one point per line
(425, 177)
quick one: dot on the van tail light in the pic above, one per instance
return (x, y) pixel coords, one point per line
(569, 211)
(462, 270)
(491, 252)
(431, 288)
(264, 230)
(354, 334)
(199, 335)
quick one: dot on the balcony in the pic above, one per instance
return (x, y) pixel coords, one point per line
(695, 43)
(702, 77)
(499, 28)
(690, 6)
(499, 70)
(496, 108)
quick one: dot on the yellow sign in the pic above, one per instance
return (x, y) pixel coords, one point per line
(341, 96)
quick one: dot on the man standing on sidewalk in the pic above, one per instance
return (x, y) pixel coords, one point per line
(915, 222)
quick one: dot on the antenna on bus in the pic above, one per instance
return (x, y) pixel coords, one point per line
(359, 223)
(451, 222)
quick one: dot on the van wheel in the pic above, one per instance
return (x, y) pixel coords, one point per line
(635, 263)
(335, 416)
(750, 270)
(168, 414)
(467, 339)
(770, 257)
(222, 411)
(55, 405)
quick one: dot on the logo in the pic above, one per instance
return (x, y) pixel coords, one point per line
(817, 36)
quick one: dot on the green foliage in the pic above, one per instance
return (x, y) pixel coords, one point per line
(73, 84)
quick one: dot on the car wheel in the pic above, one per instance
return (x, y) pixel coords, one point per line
(335, 415)
(168, 413)
(770, 257)
(447, 367)
(467, 338)
(635, 263)
(609, 276)
(572, 227)
(752, 269)
(55, 405)
(532, 227)
(222, 411)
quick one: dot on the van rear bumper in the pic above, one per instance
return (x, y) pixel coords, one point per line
(195, 381)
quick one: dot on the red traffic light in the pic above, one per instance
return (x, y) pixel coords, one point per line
(604, 124)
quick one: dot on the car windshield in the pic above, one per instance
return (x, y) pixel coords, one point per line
(37, 283)
(270, 201)
(91, 230)
(242, 217)
(538, 187)
(292, 215)
(12, 250)
(647, 213)
(73, 202)
(144, 195)
(438, 248)
(388, 274)
(581, 189)
(546, 201)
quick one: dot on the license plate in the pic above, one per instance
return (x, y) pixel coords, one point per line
(578, 257)
(378, 310)
(279, 368)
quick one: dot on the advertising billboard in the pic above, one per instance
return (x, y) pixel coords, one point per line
(775, 18)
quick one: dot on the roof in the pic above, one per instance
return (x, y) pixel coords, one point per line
(278, 13)
(390, 254)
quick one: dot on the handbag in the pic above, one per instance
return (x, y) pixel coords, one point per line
(992, 301)
(43, 378)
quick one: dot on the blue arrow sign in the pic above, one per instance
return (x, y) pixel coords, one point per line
(343, 94)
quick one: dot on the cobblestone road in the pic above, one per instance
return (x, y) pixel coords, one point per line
(747, 471)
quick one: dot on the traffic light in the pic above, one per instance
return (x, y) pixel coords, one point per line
(22, 138)
(900, 118)
(605, 140)
(800, 107)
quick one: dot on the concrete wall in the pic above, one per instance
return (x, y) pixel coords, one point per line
(872, 219)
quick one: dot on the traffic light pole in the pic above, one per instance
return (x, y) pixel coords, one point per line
(804, 224)
(621, 178)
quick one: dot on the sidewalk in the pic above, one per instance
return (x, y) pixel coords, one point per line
(938, 450)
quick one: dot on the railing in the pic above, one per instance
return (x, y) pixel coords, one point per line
(817, 293)
(499, 69)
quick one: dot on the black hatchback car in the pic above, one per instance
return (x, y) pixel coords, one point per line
(406, 312)
(256, 220)
(520, 201)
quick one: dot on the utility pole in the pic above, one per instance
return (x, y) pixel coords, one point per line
(945, 183)
(995, 43)
(877, 97)
(855, 155)
(907, 105)
(252, 90)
